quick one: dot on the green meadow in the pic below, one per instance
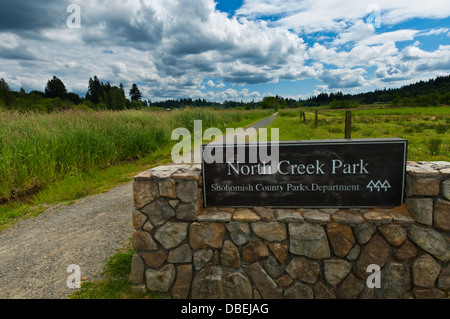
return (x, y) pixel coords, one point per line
(426, 128)
(62, 156)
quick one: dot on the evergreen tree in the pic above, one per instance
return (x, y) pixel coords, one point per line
(55, 88)
(95, 90)
(7, 97)
(135, 94)
(4, 87)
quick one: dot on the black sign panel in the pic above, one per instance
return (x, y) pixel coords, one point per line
(325, 173)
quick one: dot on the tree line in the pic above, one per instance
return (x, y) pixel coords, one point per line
(99, 96)
(104, 96)
(423, 93)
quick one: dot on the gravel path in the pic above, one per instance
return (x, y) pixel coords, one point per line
(264, 122)
(35, 252)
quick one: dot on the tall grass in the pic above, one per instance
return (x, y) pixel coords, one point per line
(39, 149)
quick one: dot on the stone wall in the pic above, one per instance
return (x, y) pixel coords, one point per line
(188, 251)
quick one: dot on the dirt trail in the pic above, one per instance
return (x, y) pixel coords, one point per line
(35, 252)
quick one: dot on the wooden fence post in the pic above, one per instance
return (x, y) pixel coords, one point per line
(348, 124)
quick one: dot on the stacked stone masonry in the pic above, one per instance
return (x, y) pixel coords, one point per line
(187, 251)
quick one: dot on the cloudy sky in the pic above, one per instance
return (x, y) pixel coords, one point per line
(227, 49)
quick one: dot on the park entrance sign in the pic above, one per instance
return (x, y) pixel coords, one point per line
(319, 174)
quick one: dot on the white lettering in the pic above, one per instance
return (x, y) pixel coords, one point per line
(363, 169)
(236, 169)
(247, 309)
(319, 168)
(215, 147)
(74, 19)
(336, 164)
(198, 309)
(274, 157)
(374, 280)
(74, 280)
(184, 145)
(279, 167)
(198, 130)
(245, 170)
(347, 168)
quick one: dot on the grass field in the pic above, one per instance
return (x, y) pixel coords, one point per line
(48, 158)
(39, 149)
(426, 128)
